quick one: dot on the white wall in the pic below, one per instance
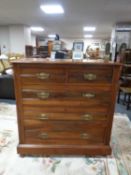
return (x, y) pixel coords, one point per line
(33, 40)
(17, 40)
(27, 35)
(4, 38)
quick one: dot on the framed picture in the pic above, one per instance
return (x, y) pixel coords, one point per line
(78, 46)
(77, 55)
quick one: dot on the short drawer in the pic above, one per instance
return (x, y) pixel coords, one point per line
(91, 74)
(42, 75)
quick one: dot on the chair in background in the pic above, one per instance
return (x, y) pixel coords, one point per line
(125, 80)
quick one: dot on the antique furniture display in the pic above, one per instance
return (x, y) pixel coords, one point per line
(125, 80)
(125, 86)
(29, 50)
(65, 107)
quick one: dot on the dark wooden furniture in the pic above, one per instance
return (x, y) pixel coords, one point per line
(7, 87)
(126, 91)
(125, 86)
(65, 107)
(42, 51)
(29, 51)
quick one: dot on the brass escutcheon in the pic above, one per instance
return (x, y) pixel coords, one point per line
(84, 136)
(43, 136)
(88, 95)
(42, 76)
(43, 117)
(87, 117)
(43, 95)
(90, 76)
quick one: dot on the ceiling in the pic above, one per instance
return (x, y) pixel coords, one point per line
(78, 13)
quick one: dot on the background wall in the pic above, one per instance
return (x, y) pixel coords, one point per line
(33, 40)
(14, 38)
(4, 38)
(17, 40)
(27, 35)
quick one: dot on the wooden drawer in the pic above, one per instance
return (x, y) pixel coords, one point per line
(34, 109)
(67, 131)
(91, 74)
(59, 126)
(66, 95)
(70, 95)
(65, 103)
(47, 116)
(36, 140)
(41, 75)
(65, 113)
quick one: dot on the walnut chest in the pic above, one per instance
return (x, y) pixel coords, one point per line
(65, 107)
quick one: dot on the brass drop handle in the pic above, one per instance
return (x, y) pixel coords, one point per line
(43, 117)
(84, 136)
(88, 95)
(87, 117)
(43, 95)
(43, 136)
(42, 75)
(90, 76)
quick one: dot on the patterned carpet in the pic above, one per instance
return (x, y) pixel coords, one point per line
(119, 163)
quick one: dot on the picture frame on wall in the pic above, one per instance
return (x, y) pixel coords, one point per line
(78, 46)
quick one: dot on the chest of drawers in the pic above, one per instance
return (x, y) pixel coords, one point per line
(65, 107)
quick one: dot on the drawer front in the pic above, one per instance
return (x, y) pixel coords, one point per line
(65, 113)
(65, 103)
(66, 95)
(104, 108)
(65, 131)
(59, 126)
(91, 74)
(42, 75)
(47, 116)
(70, 95)
(84, 74)
(37, 140)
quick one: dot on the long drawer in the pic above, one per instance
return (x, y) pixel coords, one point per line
(90, 116)
(36, 140)
(65, 113)
(65, 131)
(59, 126)
(66, 95)
(70, 95)
(83, 74)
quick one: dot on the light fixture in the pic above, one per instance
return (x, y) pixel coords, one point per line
(52, 36)
(89, 29)
(88, 36)
(52, 9)
(127, 29)
(37, 29)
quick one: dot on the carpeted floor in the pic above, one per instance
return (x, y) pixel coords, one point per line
(119, 163)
